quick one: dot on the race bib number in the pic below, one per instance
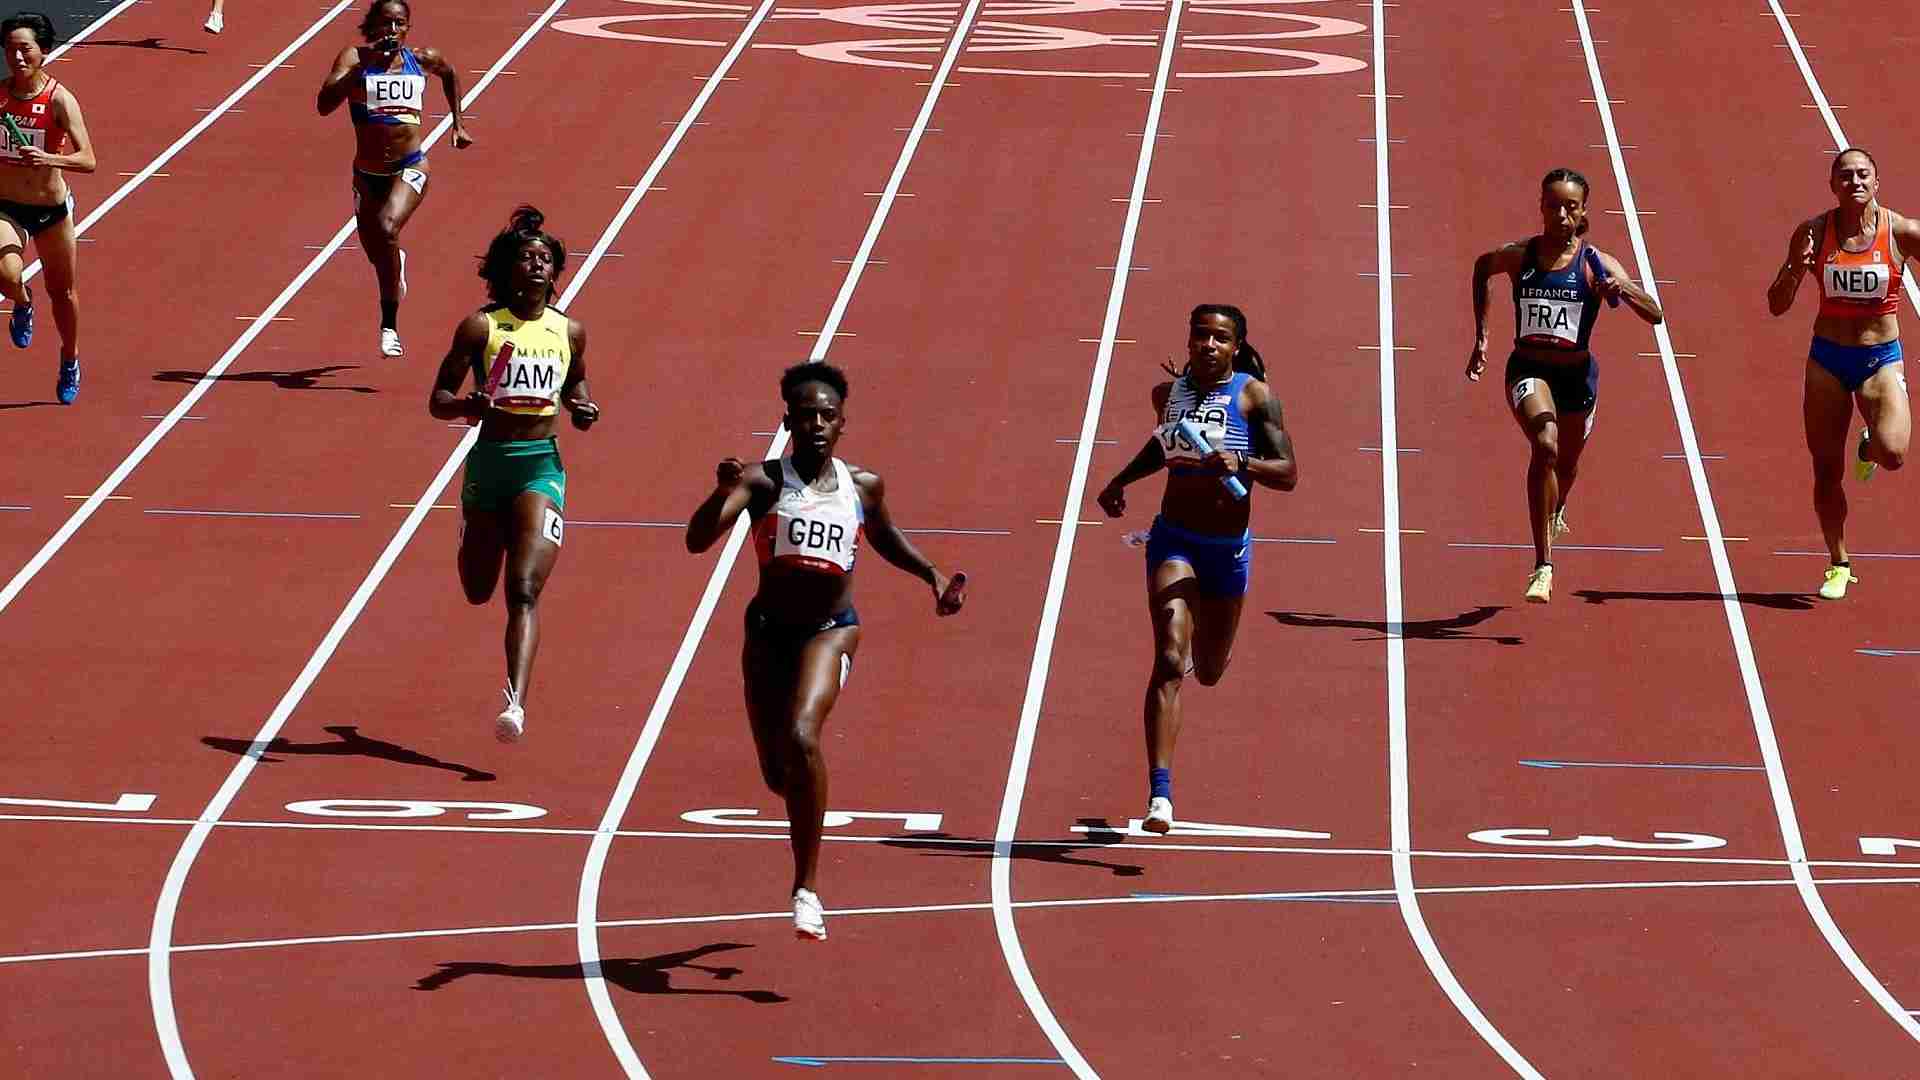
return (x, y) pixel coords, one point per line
(1549, 319)
(1518, 392)
(414, 179)
(1176, 447)
(528, 382)
(813, 540)
(36, 138)
(1856, 281)
(551, 526)
(397, 95)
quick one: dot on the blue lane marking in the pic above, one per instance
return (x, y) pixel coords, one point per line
(823, 1062)
(1559, 547)
(1889, 652)
(1274, 897)
(1543, 763)
(1857, 554)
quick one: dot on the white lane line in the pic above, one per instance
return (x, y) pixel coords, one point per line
(587, 900)
(586, 934)
(1069, 521)
(159, 966)
(252, 514)
(152, 168)
(86, 31)
(1723, 569)
(92, 503)
(928, 909)
(1398, 764)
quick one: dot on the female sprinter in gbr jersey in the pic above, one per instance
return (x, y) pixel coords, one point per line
(810, 511)
(1857, 251)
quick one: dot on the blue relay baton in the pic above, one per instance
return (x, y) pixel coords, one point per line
(1191, 432)
(1600, 273)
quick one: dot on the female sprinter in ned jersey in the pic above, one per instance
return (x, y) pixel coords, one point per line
(810, 510)
(1199, 551)
(34, 200)
(1858, 250)
(384, 84)
(528, 360)
(1552, 379)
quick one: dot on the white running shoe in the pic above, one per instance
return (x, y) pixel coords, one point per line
(390, 343)
(1159, 817)
(215, 23)
(1558, 527)
(403, 273)
(809, 920)
(512, 721)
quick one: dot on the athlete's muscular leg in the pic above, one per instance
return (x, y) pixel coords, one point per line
(483, 546)
(1216, 622)
(530, 556)
(1883, 403)
(1575, 431)
(1827, 409)
(1532, 406)
(13, 265)
(816, 687)
(1168, 595)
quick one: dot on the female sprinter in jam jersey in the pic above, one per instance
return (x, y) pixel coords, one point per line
(1859, 251)
(34, 200)
(809, 510)
(1552, 378)
(1199, 552)
(384, 84)
(527, 360)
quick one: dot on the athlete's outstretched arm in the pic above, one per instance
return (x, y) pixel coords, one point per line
(1803, 248)
(735, 483)
(431, 60)
(1618, 285)
(334, 89)
(1272, 465)
(574, 394)
(1501, 260)
(892, 544)
(469, 343)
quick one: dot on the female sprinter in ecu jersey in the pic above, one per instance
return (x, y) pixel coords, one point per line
(810, 511)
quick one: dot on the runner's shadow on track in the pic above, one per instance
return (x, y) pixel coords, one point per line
(1451, 628)
(153, 43)
(1056, 853)
(1778, 600)
(647, 975)
(303, 379)
(25, 404)
(351, 744)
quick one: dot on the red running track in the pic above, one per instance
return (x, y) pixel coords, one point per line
(974, 336)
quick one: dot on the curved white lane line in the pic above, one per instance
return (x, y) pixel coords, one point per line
(1398, 766)
(587, 924)
(1716, 541)
(159, 942)
(1002, 875)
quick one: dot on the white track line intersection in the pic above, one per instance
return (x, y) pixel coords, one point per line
(1722, 565)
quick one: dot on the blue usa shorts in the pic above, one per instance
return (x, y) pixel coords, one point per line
(1222, 565)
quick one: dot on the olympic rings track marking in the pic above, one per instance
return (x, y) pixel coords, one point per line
(160, 162)
(1002, 872)
(586, 925)
(159, 971)
(1399, 766)
(1717, 545)
(586, 940)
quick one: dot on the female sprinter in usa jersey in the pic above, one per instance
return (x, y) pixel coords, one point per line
(1552, 379)
(528, 361)
(1858, 251)
(1200, 551)
(384, 84)
(809, 511)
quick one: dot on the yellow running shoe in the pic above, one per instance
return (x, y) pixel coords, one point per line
(1834, 586)
(1540, 585)
(1558, 527)
(1862, 468)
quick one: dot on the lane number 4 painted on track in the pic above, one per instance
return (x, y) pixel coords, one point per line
(735, 816)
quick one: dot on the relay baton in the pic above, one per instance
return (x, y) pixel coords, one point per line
(1600, 273)
(1191, 432)
(955, 592)
(14, 135)
(499, 368)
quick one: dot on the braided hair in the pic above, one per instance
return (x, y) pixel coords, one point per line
(1246, 358)
(525, 226)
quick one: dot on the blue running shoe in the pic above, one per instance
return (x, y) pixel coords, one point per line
(20, 325)
(68, 387)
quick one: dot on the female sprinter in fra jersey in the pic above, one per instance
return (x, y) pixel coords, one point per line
(1199, 551)
(384, 84)
(810, 511)
(1552, 379)
(1858, 252)
(35, 202)
(528, 361)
